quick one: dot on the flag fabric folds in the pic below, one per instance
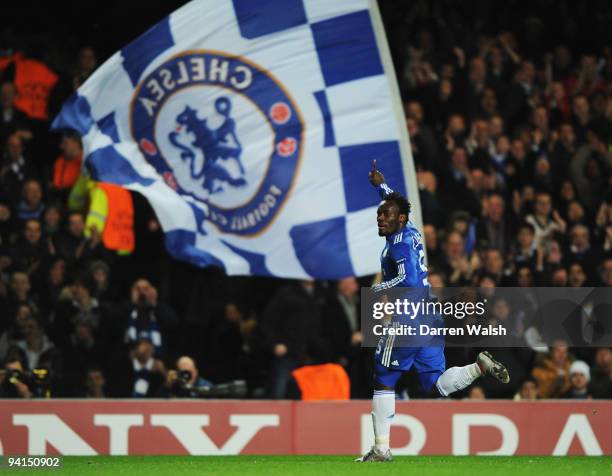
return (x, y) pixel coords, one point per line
(250, 127)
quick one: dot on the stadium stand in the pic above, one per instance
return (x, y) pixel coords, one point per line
(510, 122)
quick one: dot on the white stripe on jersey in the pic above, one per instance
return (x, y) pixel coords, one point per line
(386, 358)
(401, 274)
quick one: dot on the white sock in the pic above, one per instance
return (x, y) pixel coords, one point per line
(457, 378)
(383, 411)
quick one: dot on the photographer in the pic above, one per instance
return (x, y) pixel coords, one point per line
(12, 384)
(36, 350)
(185, 381)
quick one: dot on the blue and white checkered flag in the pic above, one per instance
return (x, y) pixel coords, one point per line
(250, 127)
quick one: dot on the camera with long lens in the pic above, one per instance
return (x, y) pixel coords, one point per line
(41, 379)
(232, 389)
(184, 376)
(14, 375)
(183, 388)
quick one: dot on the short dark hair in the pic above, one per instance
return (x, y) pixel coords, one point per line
(402, 203)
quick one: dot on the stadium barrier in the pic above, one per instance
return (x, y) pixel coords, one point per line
(209, 427)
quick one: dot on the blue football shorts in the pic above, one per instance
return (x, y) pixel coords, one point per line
(391, 362)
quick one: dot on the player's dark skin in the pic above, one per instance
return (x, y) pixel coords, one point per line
(388, 217)
(389, 221)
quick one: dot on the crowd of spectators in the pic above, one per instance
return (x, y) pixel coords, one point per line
(510, 125)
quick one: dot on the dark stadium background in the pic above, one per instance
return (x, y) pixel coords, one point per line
(57, 29)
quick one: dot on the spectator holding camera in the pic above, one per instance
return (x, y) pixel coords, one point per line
(40, 360)
(35, 347)
(147, 318)
(185, 381)
(11, 384)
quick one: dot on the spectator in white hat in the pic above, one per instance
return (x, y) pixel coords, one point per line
(580, 376)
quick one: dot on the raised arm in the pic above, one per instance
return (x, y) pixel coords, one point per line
(377, 179)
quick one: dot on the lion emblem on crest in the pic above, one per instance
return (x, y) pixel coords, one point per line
(217, 147)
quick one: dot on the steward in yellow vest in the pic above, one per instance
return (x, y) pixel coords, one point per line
(110, 210)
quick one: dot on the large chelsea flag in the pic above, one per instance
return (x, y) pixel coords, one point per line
(250, 127)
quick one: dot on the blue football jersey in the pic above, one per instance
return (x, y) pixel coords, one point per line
(403, 258)
(403, 265)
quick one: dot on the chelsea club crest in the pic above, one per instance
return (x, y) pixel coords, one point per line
(222, 131)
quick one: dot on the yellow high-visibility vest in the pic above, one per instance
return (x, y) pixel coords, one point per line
(111, 211)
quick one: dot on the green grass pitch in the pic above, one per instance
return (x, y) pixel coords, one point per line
(330, 466)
